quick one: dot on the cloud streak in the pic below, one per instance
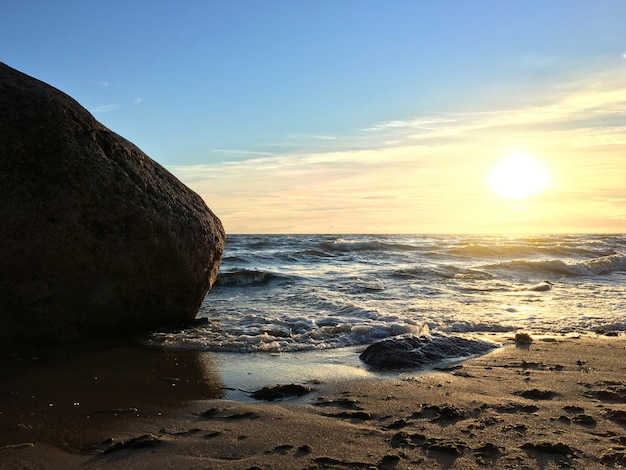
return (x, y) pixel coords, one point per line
(428, 175)
(106, 108)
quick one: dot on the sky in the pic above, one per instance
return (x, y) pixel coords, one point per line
(354, 116)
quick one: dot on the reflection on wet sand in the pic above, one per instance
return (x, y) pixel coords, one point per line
(74, 396)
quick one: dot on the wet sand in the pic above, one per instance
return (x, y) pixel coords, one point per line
(559, 402)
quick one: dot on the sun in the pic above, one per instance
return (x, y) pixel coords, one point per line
(519, 176)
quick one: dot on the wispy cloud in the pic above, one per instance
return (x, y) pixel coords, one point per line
(426, 124)
(432, 178)
(106, 108)
(585, 109)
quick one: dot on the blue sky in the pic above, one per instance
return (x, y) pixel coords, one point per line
(284, 97)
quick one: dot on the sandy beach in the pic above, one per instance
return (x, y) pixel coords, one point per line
(559, 402)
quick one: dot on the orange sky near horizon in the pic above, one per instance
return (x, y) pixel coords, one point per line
(354, 116)
(432, 175)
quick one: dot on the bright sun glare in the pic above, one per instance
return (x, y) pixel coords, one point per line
(519, 176)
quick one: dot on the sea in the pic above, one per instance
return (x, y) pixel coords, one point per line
(292, 293)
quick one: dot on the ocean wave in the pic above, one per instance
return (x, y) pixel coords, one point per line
(604, 265)
(233, 259)
(278, 293)
(314, 253)
(524, 250)
(342, 244)
(254, 333)
(473, 274)
(244, 278)
(592, 267)
(442, 271)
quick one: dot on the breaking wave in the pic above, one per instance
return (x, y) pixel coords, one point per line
(544, 268)
(280, 293)
(245, 278)
(365, 245)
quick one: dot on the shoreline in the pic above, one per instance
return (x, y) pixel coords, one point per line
(560, 402)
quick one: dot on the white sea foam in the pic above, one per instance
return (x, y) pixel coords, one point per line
(296, 293)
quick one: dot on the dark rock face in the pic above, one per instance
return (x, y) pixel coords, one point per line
(95, 237)
(403, 352)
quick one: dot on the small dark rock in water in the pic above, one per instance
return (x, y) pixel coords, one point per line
(199, 321)
(402, 352)
(602, 331)
(279, 392)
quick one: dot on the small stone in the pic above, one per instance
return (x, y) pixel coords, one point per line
(523, 338)
(279, 392)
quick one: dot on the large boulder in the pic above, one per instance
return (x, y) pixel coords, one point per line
(95, 237)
